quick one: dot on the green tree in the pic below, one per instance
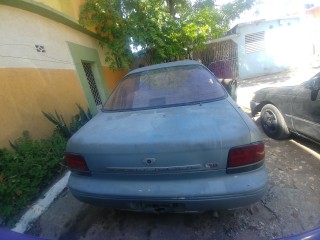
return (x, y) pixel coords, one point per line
(165, 30)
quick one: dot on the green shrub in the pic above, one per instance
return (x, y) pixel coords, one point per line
(27, 170)
(76, 122)
(33, 164)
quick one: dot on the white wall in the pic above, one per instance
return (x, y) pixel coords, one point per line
(22, 30)
(287, 46)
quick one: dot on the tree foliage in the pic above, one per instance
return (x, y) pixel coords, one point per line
(165, 30)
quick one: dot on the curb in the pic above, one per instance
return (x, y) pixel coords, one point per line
(41, 205)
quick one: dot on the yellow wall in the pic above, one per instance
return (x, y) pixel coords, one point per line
(25, 92)
(70, 8)
(55, 4)
(76, 7)
(112, 78)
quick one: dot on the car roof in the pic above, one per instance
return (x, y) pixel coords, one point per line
(164, 65)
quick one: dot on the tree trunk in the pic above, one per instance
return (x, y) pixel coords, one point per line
(171, 7)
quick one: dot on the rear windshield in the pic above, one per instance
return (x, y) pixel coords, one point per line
(165, 87)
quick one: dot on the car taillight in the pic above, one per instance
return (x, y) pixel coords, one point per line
(245, 158)
(76, 163)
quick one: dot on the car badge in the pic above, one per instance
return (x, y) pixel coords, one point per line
(149, 161)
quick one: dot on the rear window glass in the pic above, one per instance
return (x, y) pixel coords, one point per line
(165, 87)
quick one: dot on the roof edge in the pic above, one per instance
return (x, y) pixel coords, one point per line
(48, 12)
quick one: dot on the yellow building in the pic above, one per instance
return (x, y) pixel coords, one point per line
(48, 62)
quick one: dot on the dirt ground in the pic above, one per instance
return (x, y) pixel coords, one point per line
(290, 206)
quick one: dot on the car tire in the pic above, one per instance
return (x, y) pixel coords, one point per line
(273, 123)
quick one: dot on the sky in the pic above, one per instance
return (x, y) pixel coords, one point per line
(270, 9)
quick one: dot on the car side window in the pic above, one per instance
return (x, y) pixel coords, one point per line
(314, 82)
(317, 83)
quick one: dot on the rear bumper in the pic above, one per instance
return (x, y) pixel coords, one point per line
(172, 205)
(193, 195)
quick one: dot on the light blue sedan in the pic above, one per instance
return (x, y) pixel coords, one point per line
(169, 139)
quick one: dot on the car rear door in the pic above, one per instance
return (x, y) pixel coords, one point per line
(306, 109)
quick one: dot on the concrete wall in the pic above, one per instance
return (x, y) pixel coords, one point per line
(287, 46)
(33, 81)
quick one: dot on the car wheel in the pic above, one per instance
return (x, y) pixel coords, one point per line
(273, 123)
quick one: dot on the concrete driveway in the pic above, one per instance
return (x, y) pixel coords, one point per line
(290, 206)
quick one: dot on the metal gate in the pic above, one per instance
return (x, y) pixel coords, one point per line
(221, 58)
(92, 84)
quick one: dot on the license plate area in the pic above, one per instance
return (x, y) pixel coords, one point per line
(162, 207)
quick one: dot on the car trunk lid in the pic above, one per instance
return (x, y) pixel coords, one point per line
(176, 139)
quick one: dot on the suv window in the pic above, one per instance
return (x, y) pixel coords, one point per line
(165, 87)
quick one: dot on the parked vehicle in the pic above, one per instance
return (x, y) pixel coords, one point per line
(289, 109)
(169, 138)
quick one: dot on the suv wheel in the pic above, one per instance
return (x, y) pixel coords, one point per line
(273, 123)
